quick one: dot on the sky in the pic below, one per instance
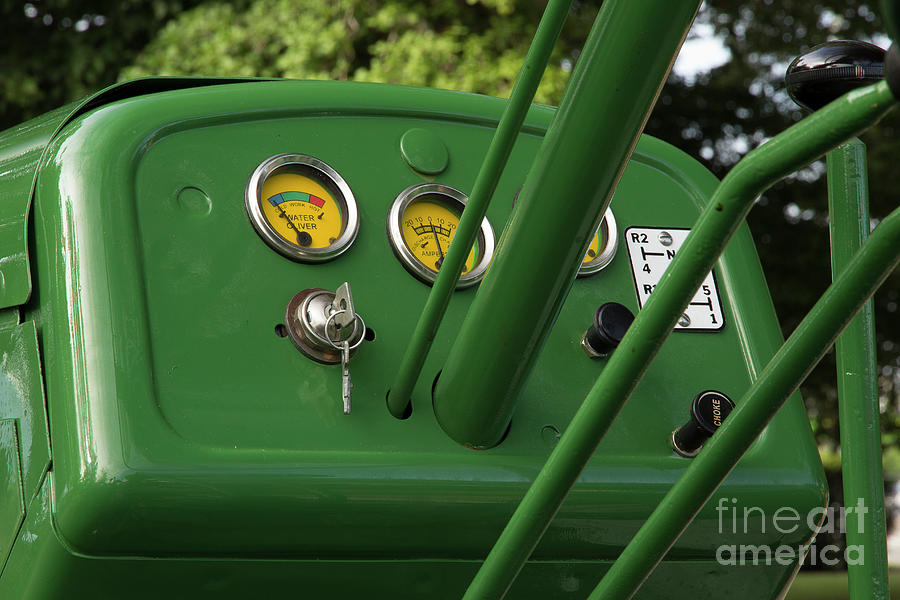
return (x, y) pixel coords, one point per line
(701, 52)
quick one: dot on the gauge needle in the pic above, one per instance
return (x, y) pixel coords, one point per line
(440, 261)
(290, 224)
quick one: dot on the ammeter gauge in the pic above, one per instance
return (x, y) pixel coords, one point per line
(603, 246)
(302, 208)
(421, 224)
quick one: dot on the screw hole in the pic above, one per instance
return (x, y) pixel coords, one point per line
(281, 331)
(369, 335)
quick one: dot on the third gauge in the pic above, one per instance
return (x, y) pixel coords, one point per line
(603, 246)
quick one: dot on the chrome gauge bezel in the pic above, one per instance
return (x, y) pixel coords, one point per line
(609, 233)
(454, 199)
(323, 174)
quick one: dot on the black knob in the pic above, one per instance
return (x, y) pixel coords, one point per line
(708, 410)
(830, 70)
(607, 329)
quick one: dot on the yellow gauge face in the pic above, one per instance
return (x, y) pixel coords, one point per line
(593, 249)
(602, 248)
(301, 211)
(428, 228)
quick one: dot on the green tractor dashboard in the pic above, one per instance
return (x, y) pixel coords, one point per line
(349, 340)
(186, 245)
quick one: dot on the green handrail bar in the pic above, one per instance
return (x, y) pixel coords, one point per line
(848, 210)
(520, 99)
(600, 118)
(729, 205)
(890, 11)
(782, 376)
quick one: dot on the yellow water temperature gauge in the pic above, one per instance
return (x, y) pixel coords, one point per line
(302, 208)
(421, 224)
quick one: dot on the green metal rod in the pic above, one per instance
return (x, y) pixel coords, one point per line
(890, 11)
(520, 99)
(600, 118)
(781, 377)
(848, 210)
(734, 197)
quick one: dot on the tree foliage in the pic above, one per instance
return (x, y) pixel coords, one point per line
(474, 46)
(56, 51)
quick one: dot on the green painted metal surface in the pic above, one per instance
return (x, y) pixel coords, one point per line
(848, 211)
(890, 10)
(423, 151)
(721, 216)
(192, 444)
(399, 396)
(796, 358)
(804, 348)
(578, 167)
(39, 551)
(22, 400)
(12, 502)
(20, 151)
(24, 438)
